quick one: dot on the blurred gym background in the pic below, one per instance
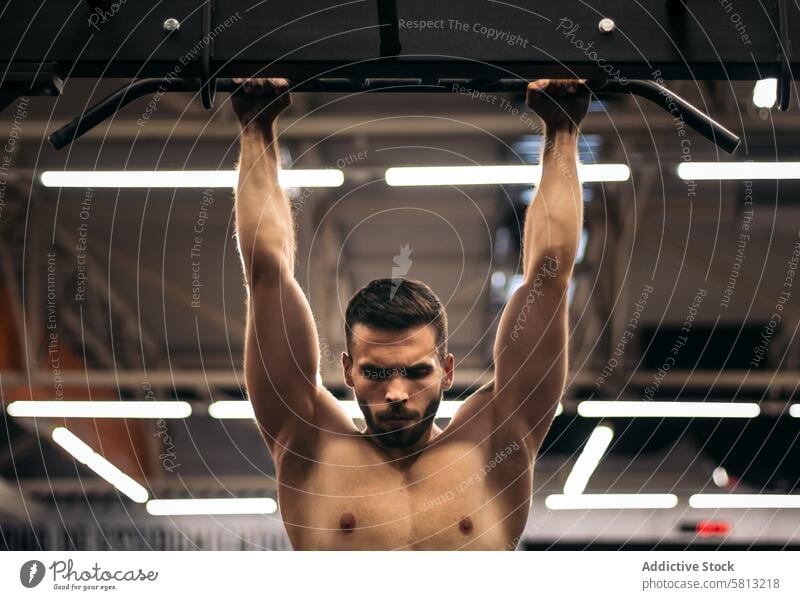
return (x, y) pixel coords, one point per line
(135, 294)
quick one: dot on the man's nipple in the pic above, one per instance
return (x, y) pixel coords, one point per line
(347, 523)
(465, 525)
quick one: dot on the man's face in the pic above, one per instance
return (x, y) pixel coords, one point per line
(398, 380)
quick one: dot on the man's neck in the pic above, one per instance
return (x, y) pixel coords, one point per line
(407, 455)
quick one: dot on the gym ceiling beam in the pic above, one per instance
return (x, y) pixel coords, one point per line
(382, 45)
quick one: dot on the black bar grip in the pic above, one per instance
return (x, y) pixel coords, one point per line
(94, 115)
(676, 106)
(658, 94)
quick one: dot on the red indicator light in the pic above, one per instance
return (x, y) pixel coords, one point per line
(712, 528)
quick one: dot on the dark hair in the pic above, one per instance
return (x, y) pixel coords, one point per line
(396, 304)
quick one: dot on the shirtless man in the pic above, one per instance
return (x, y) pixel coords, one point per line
(404, 483)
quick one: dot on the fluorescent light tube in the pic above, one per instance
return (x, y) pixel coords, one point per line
(212, 506)
(610, 501)
(321, 178)
(231, 409)
(83, 453)
(242, 409)
(101, 409)
(497, 174)
(692, 171)
(744, 501)
(668, 408)
(587, 462)
(183, 179)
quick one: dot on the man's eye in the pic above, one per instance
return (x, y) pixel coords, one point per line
(374, 373)
(417, 373)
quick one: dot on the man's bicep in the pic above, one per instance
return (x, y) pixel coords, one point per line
(281, 357)
(530, 356)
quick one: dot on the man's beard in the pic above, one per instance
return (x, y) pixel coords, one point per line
(408, 433)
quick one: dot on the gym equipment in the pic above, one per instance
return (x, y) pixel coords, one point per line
(382, 45)
(658, 94)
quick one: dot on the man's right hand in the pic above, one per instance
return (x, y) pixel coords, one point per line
(258, 102)
(560, 103)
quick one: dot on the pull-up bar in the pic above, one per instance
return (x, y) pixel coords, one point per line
(413, 45)
(654, 92)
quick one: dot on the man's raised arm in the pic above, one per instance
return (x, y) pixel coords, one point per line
(531, 346)
(281, 346)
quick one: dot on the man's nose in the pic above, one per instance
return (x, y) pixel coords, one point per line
(395, 390)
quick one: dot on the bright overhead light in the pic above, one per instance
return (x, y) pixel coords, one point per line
(497, 174)
(322, 178)
(447, 409)
(744, 501)
(587, 462)
(212, 506)
(83, 453)
(720, 477)
(242, 409)
(610, 501)
(231, 409)
(765, 92)
(692, 171)
(794, 410)
(183, 179)
(668, 408)
(101, 409)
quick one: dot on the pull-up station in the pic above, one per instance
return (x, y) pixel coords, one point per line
(406, 46)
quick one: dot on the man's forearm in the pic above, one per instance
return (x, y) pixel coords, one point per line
(555, 217)
(263, 214)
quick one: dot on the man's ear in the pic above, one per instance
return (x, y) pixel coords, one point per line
(347, 366)
(448, 366)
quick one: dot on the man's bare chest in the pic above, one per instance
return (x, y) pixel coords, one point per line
(458, 496)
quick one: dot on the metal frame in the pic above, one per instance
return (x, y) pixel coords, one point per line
(319, 48)
(656, 93)
(680, 40)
